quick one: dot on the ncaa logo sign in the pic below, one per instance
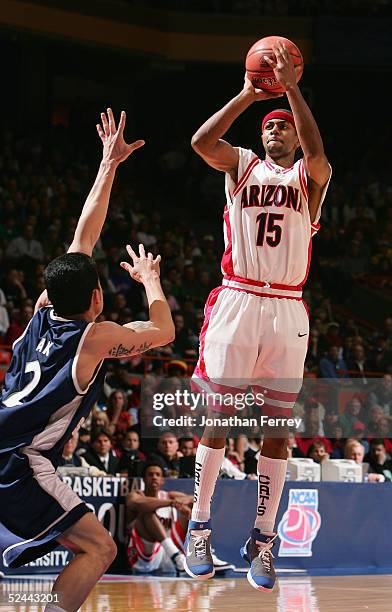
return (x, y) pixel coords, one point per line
(300, 524)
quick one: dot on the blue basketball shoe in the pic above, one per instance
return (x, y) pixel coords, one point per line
(198, 557)
(257, 552)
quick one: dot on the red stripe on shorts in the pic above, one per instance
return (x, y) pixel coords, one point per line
(200, 370)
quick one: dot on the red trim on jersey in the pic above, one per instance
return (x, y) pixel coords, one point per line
(268, 295)
(249, 281)
(227, 257)
(200, 369)
(245, 175)
(272, 167)
(314, 228)
(308, 264)
(303, 180)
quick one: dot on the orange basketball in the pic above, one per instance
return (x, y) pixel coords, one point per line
(258, 70)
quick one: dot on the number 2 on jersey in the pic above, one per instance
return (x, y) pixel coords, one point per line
(269, 230)
(14, 398)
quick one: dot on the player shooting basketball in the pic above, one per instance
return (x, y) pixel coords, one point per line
(256, 325)
(55, 376)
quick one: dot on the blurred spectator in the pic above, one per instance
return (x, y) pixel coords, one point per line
(167, 454)
(350, 418)
(379, 462)
(131, 460)
(293, 450)
(358, 364)
(100, 453)
(69, 457)
(187, 447)
(118, 414)
(317, 451)
(333, 366)
(25, 247)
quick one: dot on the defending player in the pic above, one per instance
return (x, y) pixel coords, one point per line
(56, 373)
(256, 325)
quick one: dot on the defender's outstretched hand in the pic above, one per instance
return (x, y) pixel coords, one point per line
(258, 94)
(143, 267)
(114, 146)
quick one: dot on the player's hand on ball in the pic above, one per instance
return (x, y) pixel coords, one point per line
(258, 94)
(115, 149)
(282, 66)
(144, 267)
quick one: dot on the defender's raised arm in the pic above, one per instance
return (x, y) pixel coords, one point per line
(115, 151)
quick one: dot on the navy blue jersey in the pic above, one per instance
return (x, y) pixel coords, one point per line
(42, 403)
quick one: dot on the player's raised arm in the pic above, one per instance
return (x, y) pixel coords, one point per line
(316, 162)
(115, 151)
(121, 341)
(207, 141)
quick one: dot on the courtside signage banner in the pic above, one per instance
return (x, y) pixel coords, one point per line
(299, 524)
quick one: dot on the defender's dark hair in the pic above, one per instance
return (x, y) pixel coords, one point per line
(70, 280)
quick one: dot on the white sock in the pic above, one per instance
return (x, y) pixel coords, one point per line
(169, 547)
(207, 466)
(271, 476)
(53, 608)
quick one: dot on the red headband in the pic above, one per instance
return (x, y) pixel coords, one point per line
(278, 114)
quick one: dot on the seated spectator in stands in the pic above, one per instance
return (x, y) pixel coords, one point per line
(101, 454)
(183, 343)
(293, 450)
(4, 318)
(233, 455)
(187, 461)
(187, 447)
(99, 419)
(331, 419)
(381, 357)
(250, 461)
(376, 414)
(381, 394)
(333, 366)
(338, 441)
(69, 457)
(18, 324)
(167, 454)
(358, 364)
(333, 337)
(157, 523)
(131, 460)
(117, 411)
(24, 247)
(388, 333)
(317, 451)
(14, 289)
(350, 417)
(379, 462)
(312, 429)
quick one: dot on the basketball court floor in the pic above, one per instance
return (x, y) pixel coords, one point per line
(293, 594)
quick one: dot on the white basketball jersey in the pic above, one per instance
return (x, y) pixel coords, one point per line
(267, 227)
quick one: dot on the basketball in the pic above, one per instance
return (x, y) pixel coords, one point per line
(258, 70)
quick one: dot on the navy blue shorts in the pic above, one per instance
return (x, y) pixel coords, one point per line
(36, 508)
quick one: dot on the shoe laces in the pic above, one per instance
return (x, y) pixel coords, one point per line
(200, 542)
(265, 554)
